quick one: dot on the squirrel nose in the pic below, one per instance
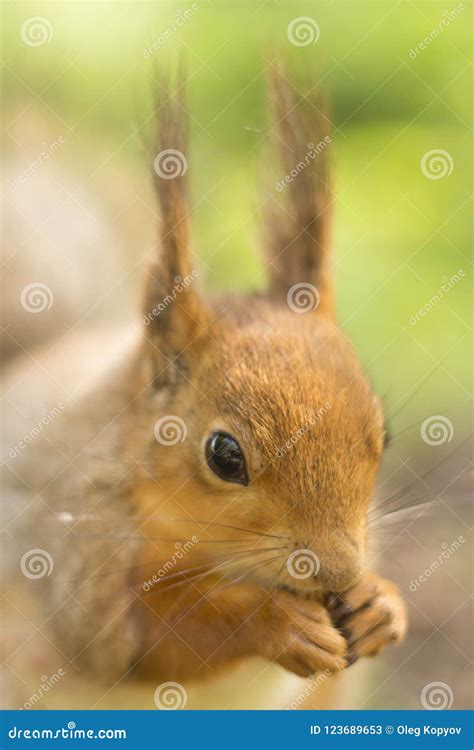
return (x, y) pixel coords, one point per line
(338, 580)
(339, 571)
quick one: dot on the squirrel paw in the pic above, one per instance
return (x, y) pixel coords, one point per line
(370, 615)
(300, 636)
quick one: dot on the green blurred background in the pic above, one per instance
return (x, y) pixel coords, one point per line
(398, 234)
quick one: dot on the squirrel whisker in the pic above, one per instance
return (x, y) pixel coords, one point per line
(186, 578)
(245, 576)
(254, 566)
(218, 588)
(198, 576)
(142, 538)
(421, 504)
(228, 526)
(275, 579)
(239, 554)
(93, 517)
(405, 491)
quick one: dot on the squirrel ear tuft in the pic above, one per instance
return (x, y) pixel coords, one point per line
(174, 314)
(298, 216)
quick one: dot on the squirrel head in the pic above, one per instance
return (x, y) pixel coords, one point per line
(265, 420)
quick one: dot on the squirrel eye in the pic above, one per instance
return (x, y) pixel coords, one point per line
(226, 459)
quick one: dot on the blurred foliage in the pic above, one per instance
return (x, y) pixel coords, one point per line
(397, 233)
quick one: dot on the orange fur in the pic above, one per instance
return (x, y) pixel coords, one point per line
(259, 371)
(289, 388)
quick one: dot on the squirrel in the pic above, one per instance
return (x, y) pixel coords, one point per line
(202, 496)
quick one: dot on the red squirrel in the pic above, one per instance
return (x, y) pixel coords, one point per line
(208, 488)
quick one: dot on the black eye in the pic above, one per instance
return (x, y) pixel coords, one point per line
(224, 456)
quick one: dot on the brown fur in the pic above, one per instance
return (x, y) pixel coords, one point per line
(260, 371)
(298, 237)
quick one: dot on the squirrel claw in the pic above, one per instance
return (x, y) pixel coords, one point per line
(373, 616)
(307, 641)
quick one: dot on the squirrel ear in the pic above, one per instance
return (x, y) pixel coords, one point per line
(175, 316)
(298, 223)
